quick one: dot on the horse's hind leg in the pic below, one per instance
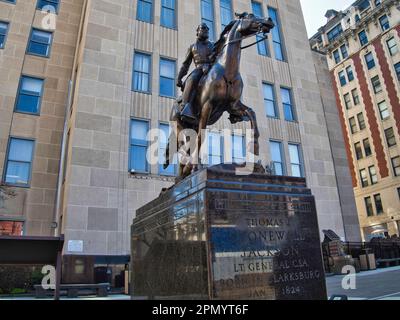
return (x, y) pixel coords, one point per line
(248, 114)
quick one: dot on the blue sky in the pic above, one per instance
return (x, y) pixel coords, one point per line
(314, 12)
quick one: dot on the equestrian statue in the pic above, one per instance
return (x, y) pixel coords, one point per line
(215, 85)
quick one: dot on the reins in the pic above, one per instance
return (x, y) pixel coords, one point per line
(244, 38)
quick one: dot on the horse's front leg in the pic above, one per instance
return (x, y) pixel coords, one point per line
(248, 113)
(204, 116)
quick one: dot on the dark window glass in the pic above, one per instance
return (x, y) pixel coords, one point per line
(29, 95)
(353, 125)
(369, 59)
(364, 178)
(145, 10)
(207, 16)
(40, 42)
(138, 146)
(367, 147)
(384, 22)
(390, 137)
(359, 153)
(288, 109)
(262, 46)
(3, 33)
(141, 72)
(361, 121)
(342, 78)
(368, 206)
(378, 204)
(19, 162)
(269, 100)
(335, 32)
(168, 13)
(396, 166)
(363, 38)
(373, 176)
(43, 3)
(276, 34)
(376, 84)
(167, 78)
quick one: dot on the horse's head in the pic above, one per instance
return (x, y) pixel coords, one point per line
(250, 24)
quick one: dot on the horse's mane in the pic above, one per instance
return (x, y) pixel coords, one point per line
(221, 41)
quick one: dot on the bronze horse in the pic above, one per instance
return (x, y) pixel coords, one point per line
(221, 88)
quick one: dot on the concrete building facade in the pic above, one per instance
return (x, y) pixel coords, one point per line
(362, 49)
(122, 73)
(36, 60)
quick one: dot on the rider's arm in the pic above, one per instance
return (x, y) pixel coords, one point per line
(186, 64)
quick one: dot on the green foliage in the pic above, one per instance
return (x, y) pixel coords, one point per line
(19, 279)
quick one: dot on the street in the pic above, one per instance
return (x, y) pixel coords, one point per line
(381, 284)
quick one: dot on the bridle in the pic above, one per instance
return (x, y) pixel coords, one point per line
(246, 37)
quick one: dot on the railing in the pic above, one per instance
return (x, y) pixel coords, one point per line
(382, 249)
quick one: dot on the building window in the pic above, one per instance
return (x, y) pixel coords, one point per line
(141, 72)
(226, 12)
(397, 69)
(353, 125)
(368, 206)
(369, 60)
(262, 46)
(373, 176)
(364, 178)
(378, 204)
(396, 166)
(238, 149)
(168, 19)
(29, 95)
(362, 36)
(167, 78)
(390, 138)
(277, 158)
(347, 101)
(344, 51)
(356, 98)
(138, 146)
(359, 153)
(19, 162)
(384, 22)
(43, 3)
(383, 110)
(11, 228)
(295, 160)
(392, 46)
(336, 56)
(361, 121)
(335, 32)
(3, 33)
(269, 100)
(367, 147)
(376, 84)
(215, 148)
(342, 78)
(145, 10)
(276, 34)
(287, 104)
(40, 43)
(207, 16)
(350, 74)
(165, 131)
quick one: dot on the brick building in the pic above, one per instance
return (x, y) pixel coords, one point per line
(362, 48)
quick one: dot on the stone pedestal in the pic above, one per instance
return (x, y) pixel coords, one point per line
(217, 235)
